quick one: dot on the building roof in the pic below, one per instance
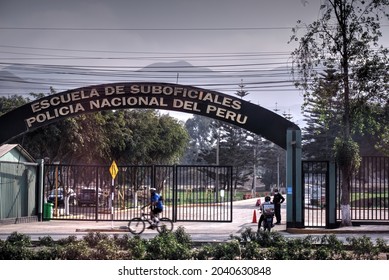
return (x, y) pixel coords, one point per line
(6, 148)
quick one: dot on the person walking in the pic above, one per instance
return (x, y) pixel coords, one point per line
(278, 199)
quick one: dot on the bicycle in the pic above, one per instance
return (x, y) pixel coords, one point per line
(137, 225)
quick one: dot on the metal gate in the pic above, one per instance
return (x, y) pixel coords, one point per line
(190, 193)
(315, 178)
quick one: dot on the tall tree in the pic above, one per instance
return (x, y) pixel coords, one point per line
(347, 37)
(322, 118)
(200, 131)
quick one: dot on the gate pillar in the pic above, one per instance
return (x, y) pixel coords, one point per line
(294, 195)
(331, 197)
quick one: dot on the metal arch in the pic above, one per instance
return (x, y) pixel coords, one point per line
(174, 97)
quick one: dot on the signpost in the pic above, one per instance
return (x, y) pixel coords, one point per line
(114, 171)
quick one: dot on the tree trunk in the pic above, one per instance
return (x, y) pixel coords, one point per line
(345, 198)
(346, 217)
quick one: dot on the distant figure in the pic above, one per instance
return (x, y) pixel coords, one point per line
(258, 203)
(278, 199)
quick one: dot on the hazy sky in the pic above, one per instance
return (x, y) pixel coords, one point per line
(136, 33)
(276, 17)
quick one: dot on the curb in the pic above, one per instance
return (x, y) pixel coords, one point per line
(334, 231)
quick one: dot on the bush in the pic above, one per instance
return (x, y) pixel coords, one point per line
(169, 246)
(178, 245)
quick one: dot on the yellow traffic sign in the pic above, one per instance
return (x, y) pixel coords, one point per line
(113, 170)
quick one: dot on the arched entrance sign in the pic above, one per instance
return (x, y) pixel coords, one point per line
(165, 96)
(174, 97)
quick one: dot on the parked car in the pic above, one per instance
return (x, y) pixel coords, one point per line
(88, 196)
(60, 195)
(315, 196)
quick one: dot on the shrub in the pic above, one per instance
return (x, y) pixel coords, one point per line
(94, 238)
(166, 246)
(47, 241)
(178, 245)
(19, 239)
(75, 251)
(227, 251)
(363, 248)
(137, 248)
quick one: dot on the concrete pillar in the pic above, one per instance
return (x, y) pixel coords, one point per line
(294, 192)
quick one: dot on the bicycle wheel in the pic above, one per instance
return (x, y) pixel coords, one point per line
(165, 224)
(136, 225)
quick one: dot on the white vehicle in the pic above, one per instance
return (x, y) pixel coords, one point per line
(315, 196)
(60, 195)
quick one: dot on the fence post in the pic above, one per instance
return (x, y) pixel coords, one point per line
(174, 190)
(40, 189)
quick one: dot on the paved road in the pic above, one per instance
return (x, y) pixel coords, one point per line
(199, 231)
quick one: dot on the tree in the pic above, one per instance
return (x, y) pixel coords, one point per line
(346, 37)
(322, 118)
(145, 137)
(199, 130)
(128, 136)
(12, 102)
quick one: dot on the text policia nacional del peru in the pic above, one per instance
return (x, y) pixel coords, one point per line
(110, 97)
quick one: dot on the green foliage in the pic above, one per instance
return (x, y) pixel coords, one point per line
(48, 253)
(347, 154)
(178, 245)
(166, 246)
(182, 236)
(78, 250)
(47, 241)
(227, 251)
(9, 103)
(350, 97)
(333, 246)
(363, 248)
(128, 136)
(205, 252)
(106, 249)
(94, 238)
(19, 239)
(68, 240)
(137, 247)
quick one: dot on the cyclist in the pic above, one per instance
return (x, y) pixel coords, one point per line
(156, 206)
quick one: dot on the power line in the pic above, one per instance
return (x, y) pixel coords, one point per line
(154, 29)
(221, 54)
(148, 29)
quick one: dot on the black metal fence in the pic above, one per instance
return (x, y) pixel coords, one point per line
(315, 178)
(190, 193)
(369, 191)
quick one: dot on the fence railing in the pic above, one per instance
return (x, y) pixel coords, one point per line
(190, 193)
(369, 191)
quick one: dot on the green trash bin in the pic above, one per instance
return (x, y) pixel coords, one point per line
(48, 211)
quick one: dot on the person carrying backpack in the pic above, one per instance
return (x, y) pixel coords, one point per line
(156, 206)
(262, 208)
